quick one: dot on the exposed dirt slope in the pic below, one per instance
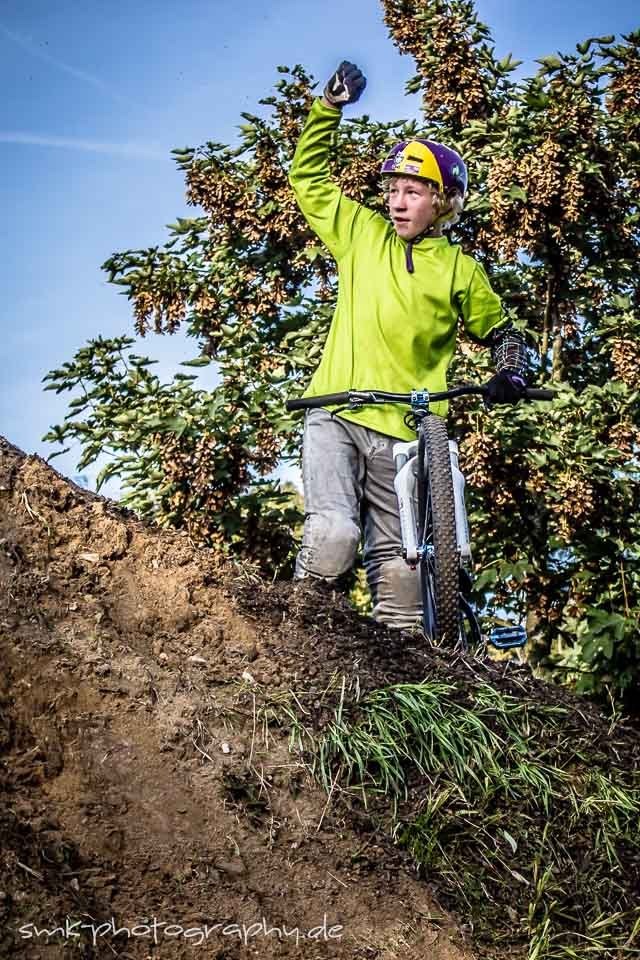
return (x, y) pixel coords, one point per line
(140, 777)
(147, 700)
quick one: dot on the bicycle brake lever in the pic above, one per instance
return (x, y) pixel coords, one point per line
(354, 405)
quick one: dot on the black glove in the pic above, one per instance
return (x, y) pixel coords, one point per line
(345, 86)
(505, 387)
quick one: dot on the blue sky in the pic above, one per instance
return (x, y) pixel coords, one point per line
(97, 94)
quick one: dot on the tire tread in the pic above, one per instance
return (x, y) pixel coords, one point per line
(444, 529)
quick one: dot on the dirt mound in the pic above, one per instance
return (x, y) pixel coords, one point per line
(146, 787)
(155, 705)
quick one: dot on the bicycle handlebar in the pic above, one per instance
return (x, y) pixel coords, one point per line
(357, 398)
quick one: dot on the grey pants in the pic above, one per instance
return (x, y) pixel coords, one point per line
(348, 475)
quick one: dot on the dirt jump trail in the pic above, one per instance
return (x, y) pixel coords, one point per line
(143, 789)
(152, 800)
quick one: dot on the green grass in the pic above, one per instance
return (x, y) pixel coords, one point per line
(525, 817)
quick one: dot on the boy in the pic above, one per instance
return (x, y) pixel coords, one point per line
(402, 288)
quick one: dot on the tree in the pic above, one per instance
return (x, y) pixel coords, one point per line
(554, 165)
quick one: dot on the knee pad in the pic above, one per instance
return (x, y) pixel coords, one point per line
(329, 545)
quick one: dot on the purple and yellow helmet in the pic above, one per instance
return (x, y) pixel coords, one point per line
(428, 160)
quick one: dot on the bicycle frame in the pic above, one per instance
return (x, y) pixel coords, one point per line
(405, 457)
(408, 469)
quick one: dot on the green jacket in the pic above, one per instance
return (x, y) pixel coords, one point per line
(392, 330)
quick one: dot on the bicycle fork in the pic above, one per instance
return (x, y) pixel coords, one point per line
(404, 456)
(405, 459)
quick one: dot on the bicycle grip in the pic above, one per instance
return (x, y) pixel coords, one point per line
(308, 403)
(536, 393)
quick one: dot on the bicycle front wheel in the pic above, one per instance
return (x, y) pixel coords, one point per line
(439, 565)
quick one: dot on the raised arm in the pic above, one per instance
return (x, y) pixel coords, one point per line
(329, 213)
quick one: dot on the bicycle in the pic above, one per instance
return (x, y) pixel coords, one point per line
(435, 536)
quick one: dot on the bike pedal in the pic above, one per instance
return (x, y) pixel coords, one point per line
(505, 638)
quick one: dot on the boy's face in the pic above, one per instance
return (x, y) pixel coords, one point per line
(412, 205)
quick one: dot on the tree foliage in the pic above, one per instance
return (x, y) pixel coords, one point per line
(554, 167)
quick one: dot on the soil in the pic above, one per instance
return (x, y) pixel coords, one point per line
(147, 783)
(142, 787)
